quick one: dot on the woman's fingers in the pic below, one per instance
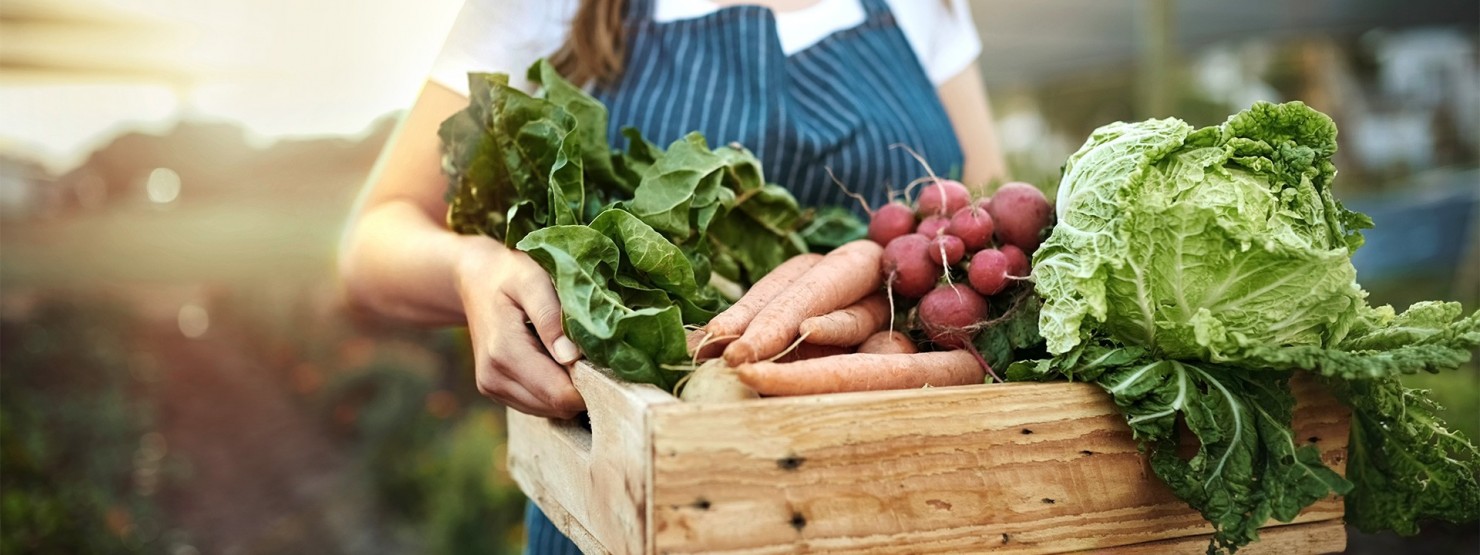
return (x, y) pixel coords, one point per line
(504, 390)
(513, 354)
(536, 296)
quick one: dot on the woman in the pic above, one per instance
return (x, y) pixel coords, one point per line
(807, 85)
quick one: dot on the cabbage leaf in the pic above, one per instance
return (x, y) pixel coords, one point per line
(1192, 272)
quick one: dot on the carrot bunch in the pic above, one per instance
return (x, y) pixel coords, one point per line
(821, 324)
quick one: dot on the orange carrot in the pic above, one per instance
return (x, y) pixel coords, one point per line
(862, 372)
(734, 320)
(849, 326)
(843, 277)
(807, 350)
(888, 341)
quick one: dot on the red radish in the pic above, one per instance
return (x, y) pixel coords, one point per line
(906, 266)
(890, 221)
(942, 198)
(946, 250)
(984, 203)
(888, 341)
(949, 314)
(973, 225)
(988, 271)
(933, 225)
(1017, 262)
(1021, 213)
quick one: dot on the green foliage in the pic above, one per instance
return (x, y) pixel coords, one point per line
(1193, 242)
(832, 228)
(71, 422)
(470, 502)
(438, 475)
(630, 238)
(1192, 271)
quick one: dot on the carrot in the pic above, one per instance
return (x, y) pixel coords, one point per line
(734, 320)
(862, 372)
(888, 341)
(843, 277)
(849, 326)
(808, 350)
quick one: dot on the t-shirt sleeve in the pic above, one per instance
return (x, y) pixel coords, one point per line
(944, 38)
(504, 36)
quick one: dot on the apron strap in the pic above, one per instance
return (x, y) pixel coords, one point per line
(875, 8)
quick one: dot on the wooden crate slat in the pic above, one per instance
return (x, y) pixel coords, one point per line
(1052, 465)
(1050, 468)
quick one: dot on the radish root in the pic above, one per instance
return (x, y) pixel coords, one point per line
(708, 337)
(846, 191)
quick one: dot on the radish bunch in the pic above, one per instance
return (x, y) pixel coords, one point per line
(946, 232)
(953, 253)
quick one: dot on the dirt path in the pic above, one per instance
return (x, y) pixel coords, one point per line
(261, 476)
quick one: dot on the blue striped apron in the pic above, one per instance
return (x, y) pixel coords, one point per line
(841, 104)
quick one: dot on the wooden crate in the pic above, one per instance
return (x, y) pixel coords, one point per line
(1011, 468)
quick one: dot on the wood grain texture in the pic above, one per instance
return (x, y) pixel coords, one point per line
(1326, 536)
(1010, 468)
(1051, 466)
(593, 484)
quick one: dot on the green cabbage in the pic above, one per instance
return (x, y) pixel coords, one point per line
(1202, 243)
(1193, 272)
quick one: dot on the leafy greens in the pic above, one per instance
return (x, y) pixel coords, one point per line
(631, 239)
(1194, 271)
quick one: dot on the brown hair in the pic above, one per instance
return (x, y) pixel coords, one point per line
(596, 46)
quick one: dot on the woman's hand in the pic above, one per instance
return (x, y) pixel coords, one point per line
(501, 290)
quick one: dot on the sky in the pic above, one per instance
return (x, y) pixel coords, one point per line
(278, 67)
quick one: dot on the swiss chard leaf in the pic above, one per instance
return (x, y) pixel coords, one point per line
(591, 123)
(501, 155)
(647, 255)
(626, 236)
(634, 343)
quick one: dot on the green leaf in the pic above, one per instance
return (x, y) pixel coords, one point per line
(1011, 328)
(502, 151)
(634, 343)
(1192, 242)
(591, 124)
(1408, 466)
(833, 227)
(1247, 467)
(649, 257)
(626, 236)
(1428, 337)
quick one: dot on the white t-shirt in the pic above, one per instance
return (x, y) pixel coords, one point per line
(509, 35)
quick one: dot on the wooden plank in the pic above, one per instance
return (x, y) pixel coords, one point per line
(593, 484)
(1053, 467)
(1326, 536)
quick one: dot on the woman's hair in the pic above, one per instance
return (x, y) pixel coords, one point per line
(594, 50)
(597, 44)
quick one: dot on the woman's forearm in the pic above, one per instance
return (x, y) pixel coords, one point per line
(399, 264)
